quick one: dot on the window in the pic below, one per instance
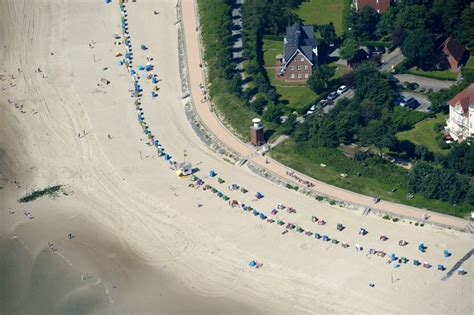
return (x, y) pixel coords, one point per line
(292, 67)
(299, 67)
(299, 75)
(292, 76)
(302, 59)
(306, 67)
(306, 75)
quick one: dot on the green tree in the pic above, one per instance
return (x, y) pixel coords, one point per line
(273, 113)
(414, 17)
(418, 47)
(386, 22)
(349, 49)
(319, 79)
(423, 153)
(371, 84)
(448, 12)
(290, 125)
(467, 34)
(379, 134)
(470, 194)
(258, 104)
(328, 33)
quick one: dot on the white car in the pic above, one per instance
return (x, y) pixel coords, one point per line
(341, 89)
(313, 108)
(309, 112)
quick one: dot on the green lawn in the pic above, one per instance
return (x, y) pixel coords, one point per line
(440, 75)
(322, 12)
(370, 182)
(296, 94)
(271, 48)
(424, 134)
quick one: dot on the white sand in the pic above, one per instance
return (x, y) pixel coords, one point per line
(138, 226)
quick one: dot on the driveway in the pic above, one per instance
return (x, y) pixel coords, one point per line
(426, 83)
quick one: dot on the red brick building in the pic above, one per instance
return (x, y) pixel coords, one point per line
(300, 55)
(454, 53)
(378, 5)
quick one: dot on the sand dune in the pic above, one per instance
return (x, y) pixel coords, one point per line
(139, 229)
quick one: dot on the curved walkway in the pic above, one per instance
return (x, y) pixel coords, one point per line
(209, 119)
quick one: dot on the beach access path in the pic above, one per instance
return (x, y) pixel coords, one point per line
(210, 120)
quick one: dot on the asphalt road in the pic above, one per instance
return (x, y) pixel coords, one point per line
(391, 60)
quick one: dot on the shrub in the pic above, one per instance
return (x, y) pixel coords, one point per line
(319, 198)
(49, 191)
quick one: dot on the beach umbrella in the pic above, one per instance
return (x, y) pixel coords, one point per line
(255, 212)
(143, 47)
(167, 157)
(154, 94)
(120, 62)
(446, 253)
(263, 216)
(252, 263)
(212, 173)
(441, 267)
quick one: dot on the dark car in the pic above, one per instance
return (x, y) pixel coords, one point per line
(409, 102)
(332, 96)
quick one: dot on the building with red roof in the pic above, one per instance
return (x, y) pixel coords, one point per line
(460, 123)
(378, 5)
(454, 53)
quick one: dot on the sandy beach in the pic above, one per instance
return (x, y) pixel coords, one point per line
(142, 244)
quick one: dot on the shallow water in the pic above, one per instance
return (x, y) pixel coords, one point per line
(44, 284)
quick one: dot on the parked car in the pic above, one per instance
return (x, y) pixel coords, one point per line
(322, 103)
(309, 112)
(332, 96)
(341, 89)
(409, 102)
(313, 108)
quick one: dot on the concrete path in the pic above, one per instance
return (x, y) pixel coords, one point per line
(196, 76)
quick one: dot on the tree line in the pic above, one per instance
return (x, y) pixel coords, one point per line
(416, 26)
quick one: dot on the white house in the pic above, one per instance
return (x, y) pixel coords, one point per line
(460, 123)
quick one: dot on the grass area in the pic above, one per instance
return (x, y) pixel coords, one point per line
(340, 70)
(271, 48)
(470, 63)
(295, 95)
(49, 191)
(322, 12)
(439, 75)
(424, 134)
(370, 182)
